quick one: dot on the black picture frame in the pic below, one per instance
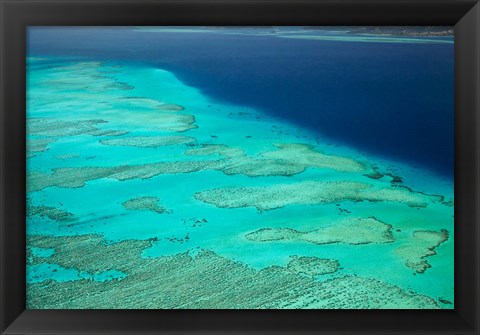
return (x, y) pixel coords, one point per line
(16, 15)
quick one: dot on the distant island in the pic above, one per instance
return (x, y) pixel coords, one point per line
(413, 31)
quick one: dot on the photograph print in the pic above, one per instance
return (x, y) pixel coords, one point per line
(189, 167)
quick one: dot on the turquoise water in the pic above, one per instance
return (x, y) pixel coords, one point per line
(83, 89)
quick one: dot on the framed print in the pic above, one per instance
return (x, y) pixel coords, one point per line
(240, 167)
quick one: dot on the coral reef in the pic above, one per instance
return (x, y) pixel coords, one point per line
(59, 128)
(144, 203)
(167, 121)
(308, 193)
(261, 167)
(148, 141)
(87, 77)
(150, 170)
(205, 281)
(144, 102)
(66, 177)
(76, 177)
(52, 213)
(88, 271)
(151, 119)
(422, 245)
(349, 231)
(312, 266)
(39, 252)
(211, 149)
(306, 156)
(235, 161)
(286, 160)
(67, 156)
(37, 145)
(170, 107)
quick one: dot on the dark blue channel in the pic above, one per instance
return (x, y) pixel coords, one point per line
(390, 99)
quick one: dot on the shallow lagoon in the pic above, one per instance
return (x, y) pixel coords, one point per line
(88, 105)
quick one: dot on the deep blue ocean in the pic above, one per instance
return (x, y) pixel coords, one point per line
(394, 100)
